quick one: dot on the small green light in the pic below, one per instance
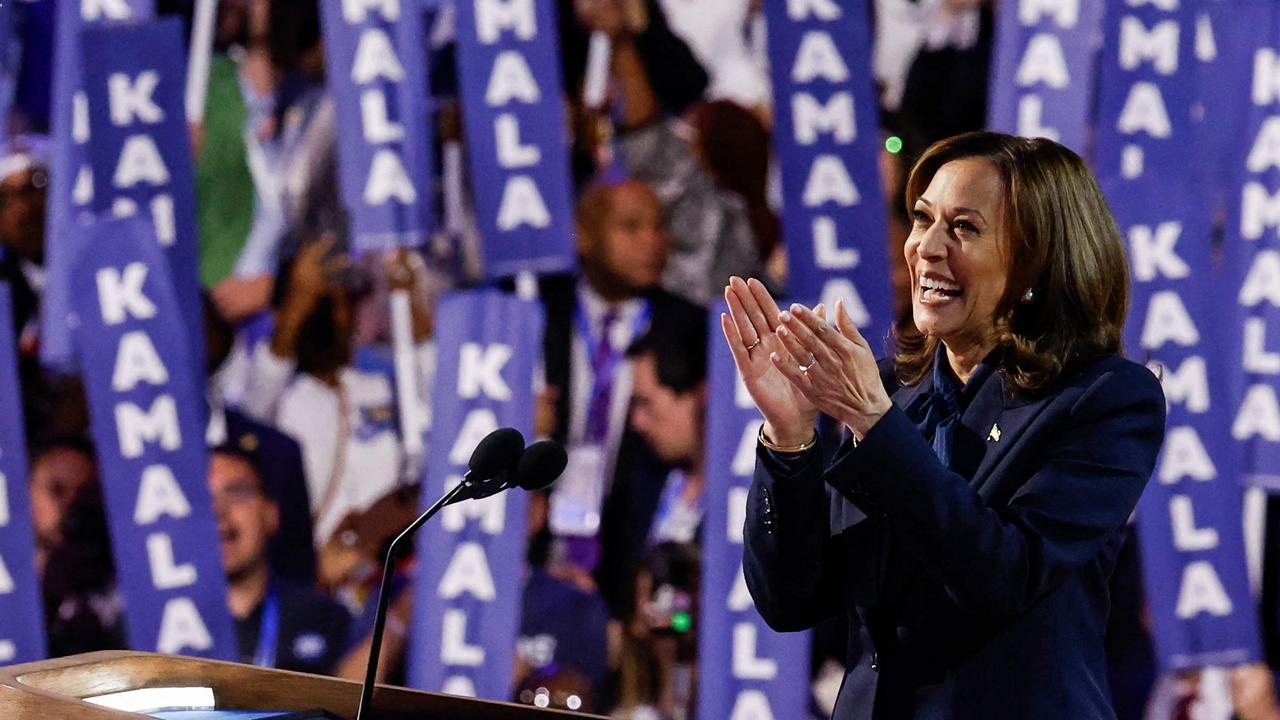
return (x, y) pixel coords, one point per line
(681, 622)
(893, 144)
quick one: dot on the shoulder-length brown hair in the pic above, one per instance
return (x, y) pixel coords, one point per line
(1063, 245)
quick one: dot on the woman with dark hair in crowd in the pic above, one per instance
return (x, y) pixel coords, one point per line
(306, 383)
(732, 144)
(977, 504)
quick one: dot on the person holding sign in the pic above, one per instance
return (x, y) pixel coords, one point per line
(306, 384)
(978, 499)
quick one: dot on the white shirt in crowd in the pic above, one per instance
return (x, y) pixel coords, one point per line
(727, 43)
(905, 27)
(351, 451)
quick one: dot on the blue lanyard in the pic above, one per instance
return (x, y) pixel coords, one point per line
(268, 631)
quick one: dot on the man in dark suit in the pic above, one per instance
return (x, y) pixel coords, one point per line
(600, 511)
(669, 409)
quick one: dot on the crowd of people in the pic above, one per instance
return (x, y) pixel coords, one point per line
(308, 473)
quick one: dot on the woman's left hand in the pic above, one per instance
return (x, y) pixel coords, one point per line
(834, 368)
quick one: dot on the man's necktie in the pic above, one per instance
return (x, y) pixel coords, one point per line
(604, 368)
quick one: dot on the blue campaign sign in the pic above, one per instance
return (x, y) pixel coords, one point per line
(1218, 113)
(1189, 517)
(827, 141)
(147, 430)
(70, 178)
(467, 591)
(1042, 79)
(21, 604)
(517, 137)
(376, 58)
(767, 672)
(1252, 247)
(140, 155)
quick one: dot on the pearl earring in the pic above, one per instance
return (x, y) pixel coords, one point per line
(1029, 295)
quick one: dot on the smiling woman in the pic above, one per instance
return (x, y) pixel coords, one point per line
(971, 518)
(1024, 224)
(957, 259)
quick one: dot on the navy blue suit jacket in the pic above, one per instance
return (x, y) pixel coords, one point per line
(974, 593)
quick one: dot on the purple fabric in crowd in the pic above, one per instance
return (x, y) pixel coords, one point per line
(604, 368)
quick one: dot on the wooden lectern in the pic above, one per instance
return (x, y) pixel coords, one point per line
(56, 688)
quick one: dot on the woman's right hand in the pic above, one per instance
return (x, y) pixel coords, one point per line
(309, 280)
(750, 329)
(310, 276)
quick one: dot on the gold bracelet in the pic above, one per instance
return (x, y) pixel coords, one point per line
(787, 449)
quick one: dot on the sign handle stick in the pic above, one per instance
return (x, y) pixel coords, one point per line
(206, 12)
(454, 201)
(411, 421)
(597, 76)
(527, 286)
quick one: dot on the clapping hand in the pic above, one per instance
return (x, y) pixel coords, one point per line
(749, 328)
(795, 364)
(833, 368)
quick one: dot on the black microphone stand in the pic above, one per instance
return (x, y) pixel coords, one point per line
(384, 595)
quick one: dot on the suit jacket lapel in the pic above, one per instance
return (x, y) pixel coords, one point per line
(990, 426)
(998, 418)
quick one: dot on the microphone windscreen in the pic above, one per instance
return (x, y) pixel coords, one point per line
(541, 465)
(497, 452)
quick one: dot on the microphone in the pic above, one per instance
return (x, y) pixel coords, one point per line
(539, 466)
(493, 460)
(495, 456)
(498, 454)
